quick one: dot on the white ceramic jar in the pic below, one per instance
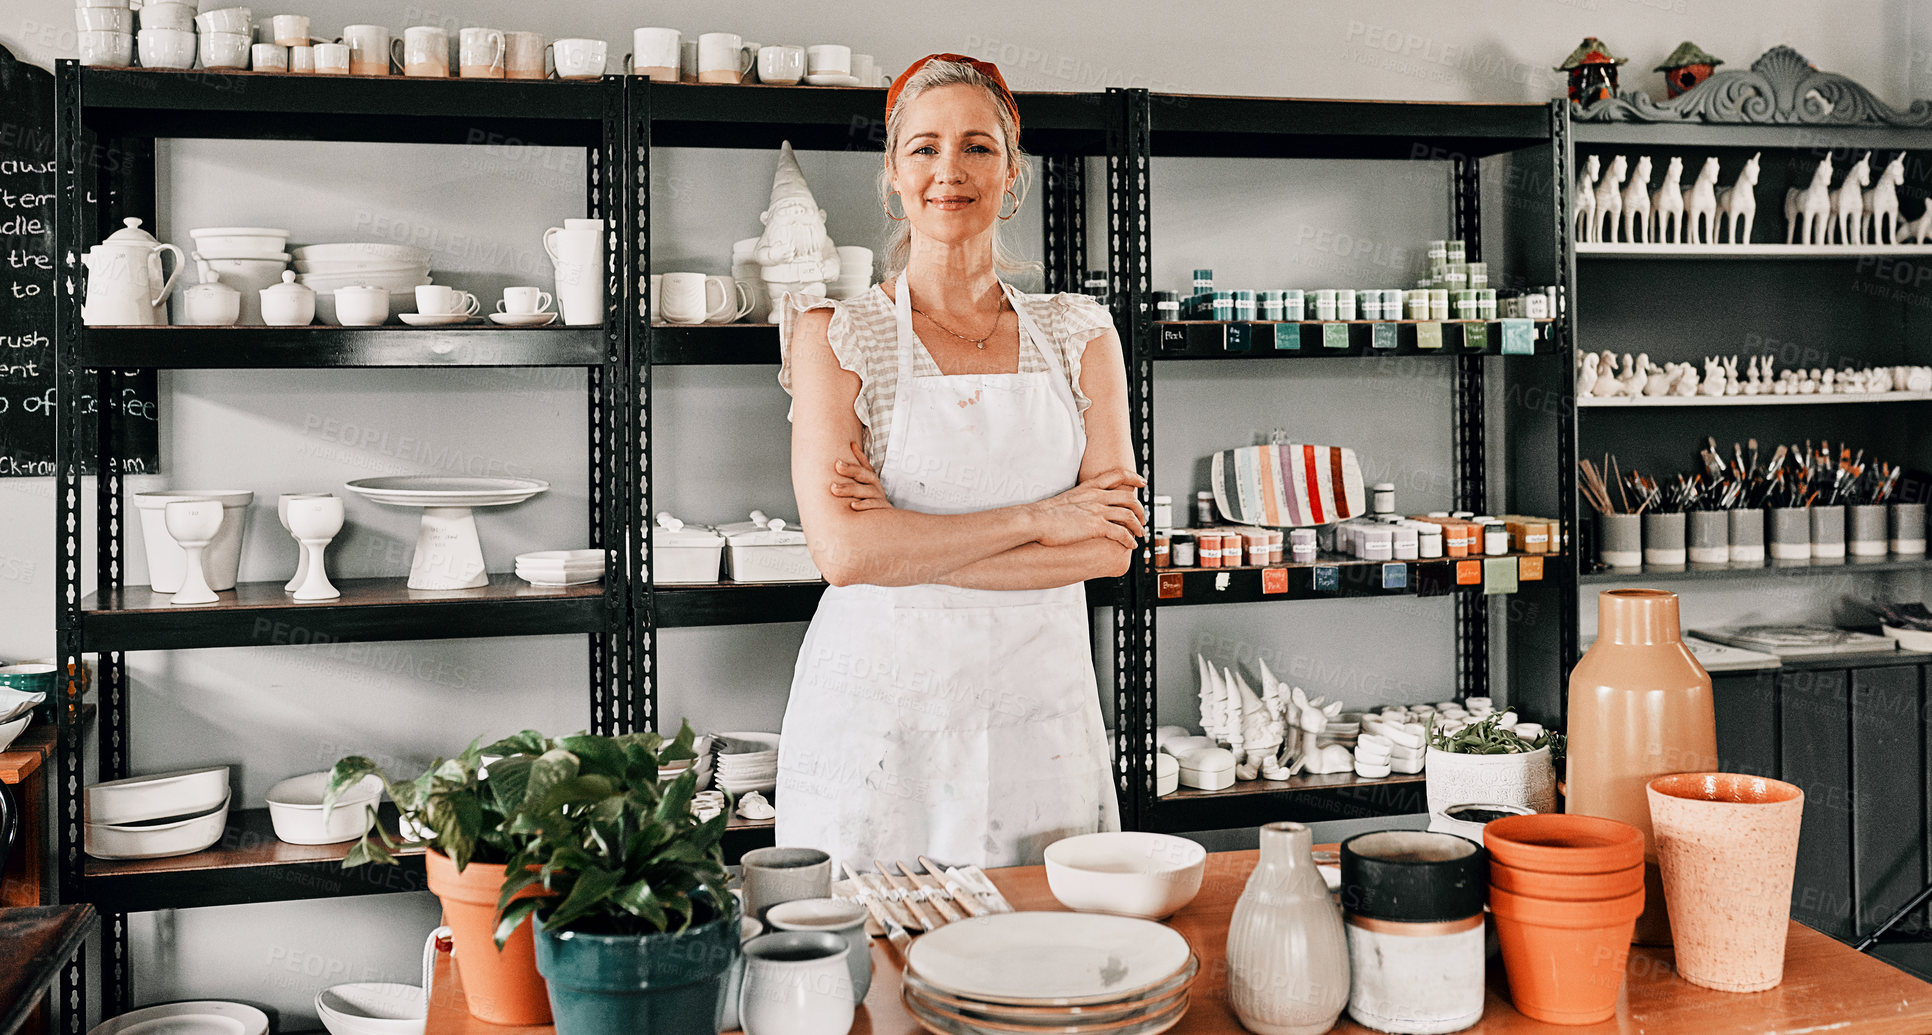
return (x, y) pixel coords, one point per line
(1287, 955)
(288, 304)
(212, 304)
(796, 983)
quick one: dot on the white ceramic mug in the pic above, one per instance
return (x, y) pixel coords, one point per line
(523, 55)
(361, 306)
(228, 19)
(166, 48)
(301, 59)
(828, 59)
(723, 58)
(103, 19)
(579, 58)
(524, 300)
(331, 59)
(782, 66)
(863, 69)
(289, 30)
(224, 50)
(443, 300)
(110, 49)
(269, 57)
(737, 300)
(654, 54)
(423, 52)
(796, 983)
(168, 16)
(480, 53)
(691, 298)
(579, 258)
(368, 49)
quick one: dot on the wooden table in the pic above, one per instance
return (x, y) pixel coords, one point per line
(35, 943)
(1826, 985)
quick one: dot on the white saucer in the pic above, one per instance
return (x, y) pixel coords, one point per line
(567, 580)
(438, 491)
(522, 319)
(433, 319)
(830, 79)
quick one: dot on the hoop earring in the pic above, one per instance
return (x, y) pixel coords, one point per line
(1016, 206)
(888, 207)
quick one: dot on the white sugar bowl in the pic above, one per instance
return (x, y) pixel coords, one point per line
(288, 304)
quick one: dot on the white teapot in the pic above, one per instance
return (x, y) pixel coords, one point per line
(124, 282)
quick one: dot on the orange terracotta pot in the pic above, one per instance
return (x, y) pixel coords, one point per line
(1565, 960)
(1727, 845)
(1564, 843)
(502, 987)
(1566, 887)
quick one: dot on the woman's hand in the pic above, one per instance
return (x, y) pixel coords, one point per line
(858, 483)
(1103, 506)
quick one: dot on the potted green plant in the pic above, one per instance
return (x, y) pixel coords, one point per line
(635, 929)
(1487, 762)
(456, 809)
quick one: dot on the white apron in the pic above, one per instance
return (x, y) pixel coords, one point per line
(960, 724)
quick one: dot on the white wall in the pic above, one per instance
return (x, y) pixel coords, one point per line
(721, 432)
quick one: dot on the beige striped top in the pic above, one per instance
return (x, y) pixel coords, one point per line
(864, 336)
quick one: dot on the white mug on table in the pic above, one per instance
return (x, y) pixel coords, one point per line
(443, 300)
(579, 58)
(423, 52)
(524, 301)
(737, 299)
(723, 58)
(368, 49)
(480, 53)
(654, 54)
(523, 55)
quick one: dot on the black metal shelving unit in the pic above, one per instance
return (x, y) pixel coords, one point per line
(109, 120)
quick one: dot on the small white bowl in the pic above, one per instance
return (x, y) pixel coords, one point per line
(1127, 873)
(1909, 639)
(12, 729)
(241, 242)
(295, 810)
(372, 1008)
(136, 799)
(158, 839)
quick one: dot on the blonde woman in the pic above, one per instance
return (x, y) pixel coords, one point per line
(962, 463)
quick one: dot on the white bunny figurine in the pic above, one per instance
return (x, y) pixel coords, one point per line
(1731, 385)
(1753, 386)
(1713, 378)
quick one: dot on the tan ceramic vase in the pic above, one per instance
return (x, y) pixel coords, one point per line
(1640, 708)
(1287, 955)
(1728, 848)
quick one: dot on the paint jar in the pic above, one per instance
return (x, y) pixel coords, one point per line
(1224, 305)
(1244, 306)
(1275, 539)
(1486, 304)
(1345, 304)
(1495, 539)
(1620, 540)
(1865, 530)
(1457, 252)
(1163, 512)
(1412, 908)
(1455, 277)
(1271, 305)
(1371, 305)
(1302, 543)
(1465, 303)
(1203, 281)
(1747, 536)
(1405, 543)
(1293, 305)
(1182, 549)
(1204, 508)
(1163, 548)
(1211, 549)
(1664, 539)
(1377, 544)
(1478, 275)
(1428, 541)
(1438, 304)
(1167, 305)
(1392, 299)
(1908, 529)
(1438, 252)
(1827, 533)
(1459, 538)
(1418, 304)
(1790, 534)
(1382, 498)
(1710, 537)
(1325, 304)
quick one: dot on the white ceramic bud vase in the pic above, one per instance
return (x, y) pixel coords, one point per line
(1287, 955)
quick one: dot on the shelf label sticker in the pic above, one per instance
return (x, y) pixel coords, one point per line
(1475, 335)
(1326, 578)
(1428, 335)
(1173, 337)
(1170, 585)
(1530, 569)
(1238, 337)
(1274, 580)
(1395, 575)
(1469, 573)
(1382, 335)
(1287, 336)
(1499, 575)
(1519, 338)
(1334, 335)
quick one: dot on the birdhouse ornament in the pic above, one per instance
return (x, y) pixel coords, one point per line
(1593, 72)
(1687, 66)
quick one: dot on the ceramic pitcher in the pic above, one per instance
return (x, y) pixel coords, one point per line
(1287, 955)
(125, 286)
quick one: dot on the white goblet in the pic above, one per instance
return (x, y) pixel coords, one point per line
(315, 521)
(301, 555)
(193, 524)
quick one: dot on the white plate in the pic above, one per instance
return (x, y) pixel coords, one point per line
(552, 582)
(442, 491)
(12, 728)
(199, 1017)
(566, 558)
(433, 319)
(827, 79)
(1048, 958)
(522, 319)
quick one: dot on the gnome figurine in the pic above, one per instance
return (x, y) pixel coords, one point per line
(794, 254)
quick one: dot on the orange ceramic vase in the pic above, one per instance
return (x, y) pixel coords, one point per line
(1640, 707)
(502, 987)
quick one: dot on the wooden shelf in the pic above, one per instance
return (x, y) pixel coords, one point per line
(258, 614)
(1612, 402)
(236, 348)
(1626, 250)
(1774, 568)
(1335, 576)
(1304, 799)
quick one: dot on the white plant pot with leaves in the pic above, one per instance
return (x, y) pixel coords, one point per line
(1487, 765)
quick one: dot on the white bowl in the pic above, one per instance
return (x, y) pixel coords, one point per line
(13, 728)
(372, 1008)
(175, 16)
(362, 250)
(241, 242)
(195, 1017)
(1129, 873)
(182, 792)
(332, 266)
(14, 701)
(158, 839)
(295, 810)
(1909, 639)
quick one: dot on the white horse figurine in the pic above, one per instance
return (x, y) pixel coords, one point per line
(1881, 203)
(1920, 229)
(1585, 201)
(1737, 205)
(1848, 203)
(1636, 203)
(1667, 206)
(1805, 210)
(1609, 201)
(1700, 206)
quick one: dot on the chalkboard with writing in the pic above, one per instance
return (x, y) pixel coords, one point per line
(27, 296)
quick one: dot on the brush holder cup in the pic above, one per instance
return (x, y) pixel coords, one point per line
(1865, 530)
(1908, 529)
(1790, 534)
(1620, 542)
(1747, 536)
(1664, 539)
(1827, 533)
(1710, 537)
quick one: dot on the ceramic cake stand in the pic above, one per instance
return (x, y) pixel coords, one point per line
(448, 553)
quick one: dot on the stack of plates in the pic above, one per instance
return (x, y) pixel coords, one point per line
(326, 267)
(747, 762)
(1061, 973)
(672, 770)
(561, 567)
(1343, 729)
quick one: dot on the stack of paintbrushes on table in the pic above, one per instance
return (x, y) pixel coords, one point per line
(920, 901)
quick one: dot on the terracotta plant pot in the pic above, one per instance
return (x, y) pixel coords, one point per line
(502, 987)
(1563, 843)
(1565, 959)
(1566, 887)
(1728, 847)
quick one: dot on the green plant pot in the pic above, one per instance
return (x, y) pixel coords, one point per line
(664, 984)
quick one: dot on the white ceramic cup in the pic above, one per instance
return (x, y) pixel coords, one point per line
(737, 299)
(796, 983)
(301, 59)
(692, 298)
(579, 258)
(102, 3)
(828, 59)
(224, 50)
(654, 53)
(443, 300)
(268, 57)
(106, 49)
(579, 58)
(523, 55)
(423, 52)
(166, 48)
(168, 16)
(480, 53)
(368, 49)
(584, 223)
(228, 19)
(290, 30)
(103, 19)
(332, 59)
(781, 65)
(524, 300)
(863, 69)
(361, 306)
(723, 58)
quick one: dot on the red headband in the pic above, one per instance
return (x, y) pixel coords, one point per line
(986, 68)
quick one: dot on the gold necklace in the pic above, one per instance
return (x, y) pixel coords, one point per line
(978, 343)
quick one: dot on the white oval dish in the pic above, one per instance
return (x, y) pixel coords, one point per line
(1128, 873)
(180, 793)
(253, 1021)
(372, 1008)
(157, 840)
(295, 810)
